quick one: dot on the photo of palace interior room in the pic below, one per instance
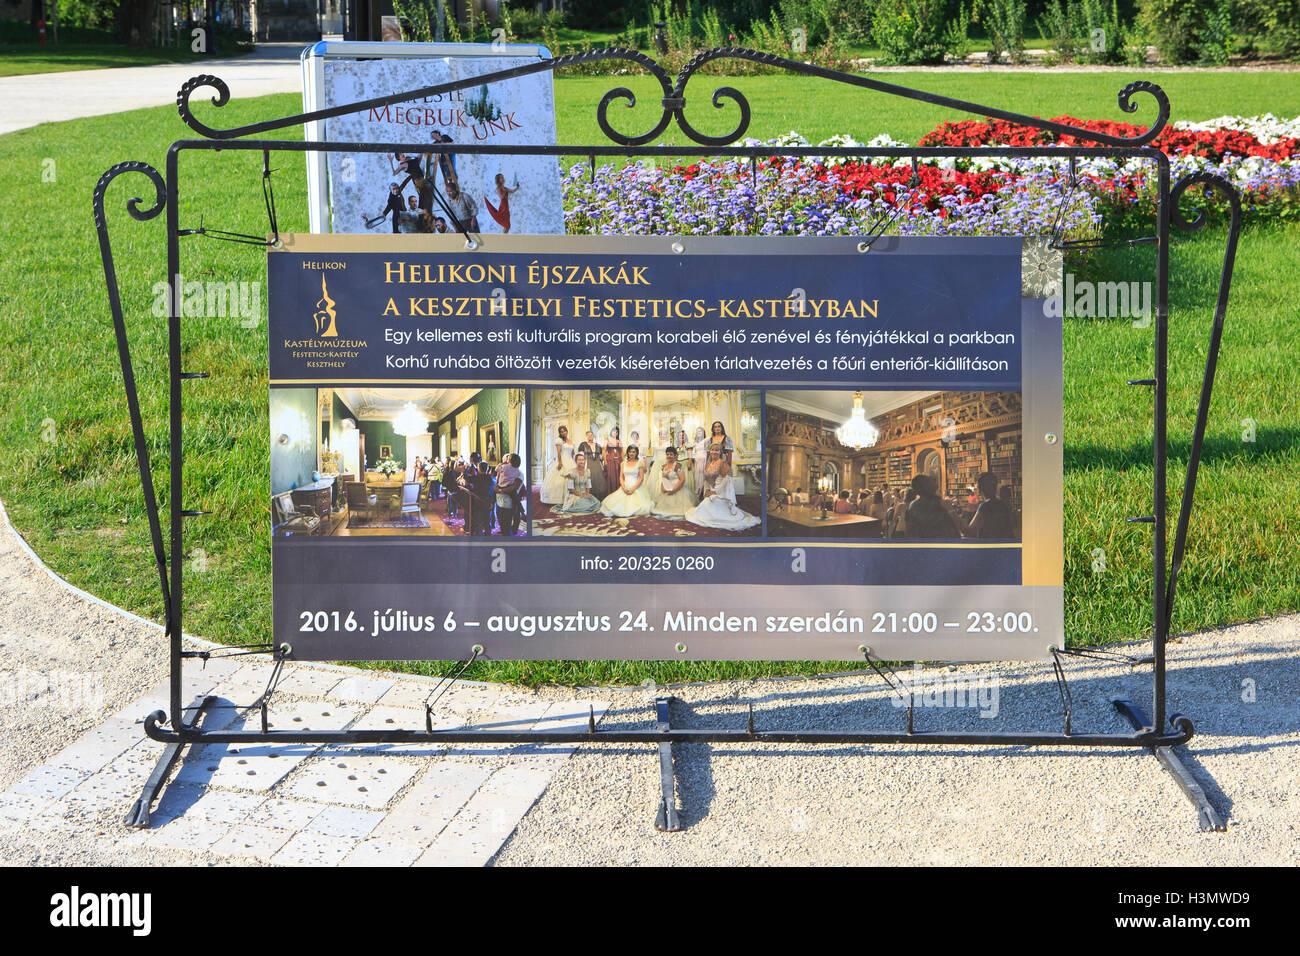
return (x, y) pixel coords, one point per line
(398, 461)
(664, 463)
(894, 464)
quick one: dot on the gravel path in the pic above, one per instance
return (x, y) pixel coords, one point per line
(777, 804)
(58, 651)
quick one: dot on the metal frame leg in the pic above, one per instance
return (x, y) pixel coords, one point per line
(666, 820)
(138, 815)
(1207, 816)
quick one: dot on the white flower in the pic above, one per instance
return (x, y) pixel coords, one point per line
(1267, 128)
(791, 138)
(884, 140)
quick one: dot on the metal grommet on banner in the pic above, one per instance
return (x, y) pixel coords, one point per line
(864, 247)
(864, 650)
(471, 243)
(1050, 438)
(477, 650)
(678, 248)
(681, 648)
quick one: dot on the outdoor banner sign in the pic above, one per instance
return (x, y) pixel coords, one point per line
(425, 192)
(665, 448)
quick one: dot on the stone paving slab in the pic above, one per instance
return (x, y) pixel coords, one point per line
(303, 805)
(70, 771)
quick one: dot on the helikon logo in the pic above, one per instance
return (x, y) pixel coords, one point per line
(325, 316)
(77, 909)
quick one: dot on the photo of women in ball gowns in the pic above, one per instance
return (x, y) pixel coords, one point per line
(895, 465)
(658, 463)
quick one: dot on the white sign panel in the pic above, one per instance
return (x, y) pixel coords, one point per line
(421, 192)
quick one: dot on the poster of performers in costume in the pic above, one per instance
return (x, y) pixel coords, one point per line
(432, 192)
(674, 463)
(635, 448)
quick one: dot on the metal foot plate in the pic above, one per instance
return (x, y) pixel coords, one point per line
(1207, 816)
(666, 820)
(138, 815)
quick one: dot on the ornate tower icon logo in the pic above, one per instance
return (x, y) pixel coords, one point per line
(324, 314)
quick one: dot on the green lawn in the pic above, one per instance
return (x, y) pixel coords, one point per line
(77, 499)
(17, 59)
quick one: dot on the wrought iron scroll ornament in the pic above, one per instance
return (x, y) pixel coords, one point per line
(673, 102)
(133, 206)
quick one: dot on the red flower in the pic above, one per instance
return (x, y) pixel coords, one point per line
(1211, 144)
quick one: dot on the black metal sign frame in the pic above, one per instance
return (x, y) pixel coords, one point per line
(182, 725)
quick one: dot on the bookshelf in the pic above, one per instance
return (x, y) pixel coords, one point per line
(898, 468)
(877, 472)
(1006, 460)
(965, 462)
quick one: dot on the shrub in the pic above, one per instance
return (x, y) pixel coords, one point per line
(86, 13)
(910, 31)
(1215, 40)
(848, 20)
(1136, 40)
(1273, 24)
(419, 23)
(1103, 34)
(1004, 22)
(523, 21)
(1086, 31)
(1059, 25)
(1186, 31)
(956, 35)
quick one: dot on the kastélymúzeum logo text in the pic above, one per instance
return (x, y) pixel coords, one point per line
(324, 347)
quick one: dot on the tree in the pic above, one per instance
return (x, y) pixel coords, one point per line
(135, 19)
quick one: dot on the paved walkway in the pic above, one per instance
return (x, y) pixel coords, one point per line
(77, 678)
(51, 97)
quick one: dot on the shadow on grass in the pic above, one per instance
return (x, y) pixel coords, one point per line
(1270, 443)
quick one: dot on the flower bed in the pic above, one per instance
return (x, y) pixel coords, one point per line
(948, 197)
(1215, 144)
(786, 197)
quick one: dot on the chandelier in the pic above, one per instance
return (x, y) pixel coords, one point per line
(857, 432)
(409, 422)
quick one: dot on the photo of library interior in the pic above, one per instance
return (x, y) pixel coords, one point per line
(894, 464)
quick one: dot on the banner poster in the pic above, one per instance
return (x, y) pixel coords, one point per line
(665, 448)
(425, 192)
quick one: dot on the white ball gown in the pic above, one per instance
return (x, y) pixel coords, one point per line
(579, 501)
(700, 458)
(719, 510)
(671, 505)
(556, 483)
(619, 504)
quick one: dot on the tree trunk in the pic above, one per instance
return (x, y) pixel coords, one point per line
(135, 19)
